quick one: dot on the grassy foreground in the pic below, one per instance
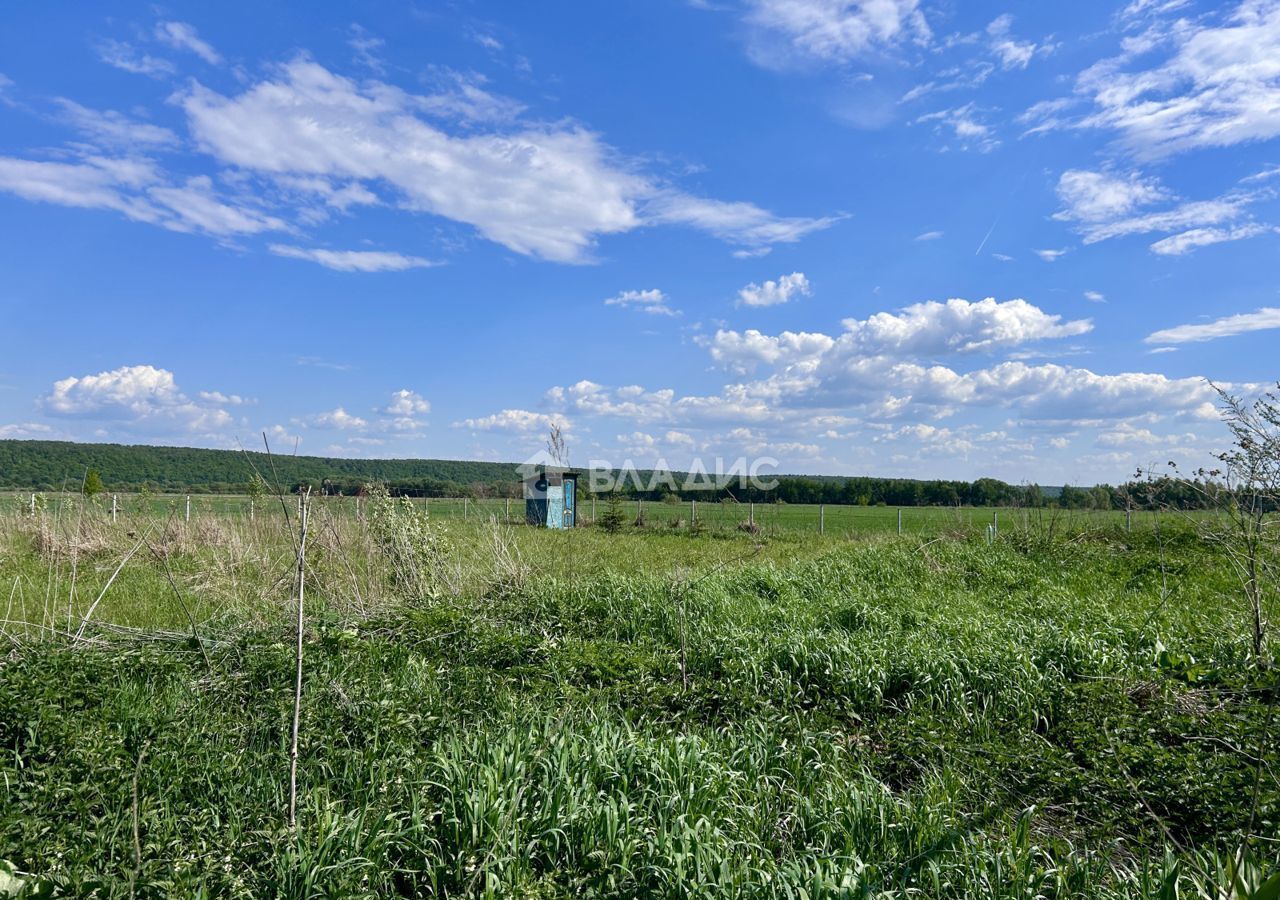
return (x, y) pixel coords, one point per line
(655, 713)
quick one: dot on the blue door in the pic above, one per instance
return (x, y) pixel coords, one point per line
(570, 490)
(555, 506)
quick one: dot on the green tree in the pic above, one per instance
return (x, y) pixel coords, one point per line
(93, 483)
(612, 520)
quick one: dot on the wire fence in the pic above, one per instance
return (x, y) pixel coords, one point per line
(703, 516)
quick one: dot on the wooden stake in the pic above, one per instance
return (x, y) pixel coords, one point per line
(297, 678)
(822, 519)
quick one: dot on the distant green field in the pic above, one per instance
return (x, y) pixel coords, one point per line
(770, 518)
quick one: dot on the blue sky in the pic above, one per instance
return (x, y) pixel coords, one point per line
(870, 236)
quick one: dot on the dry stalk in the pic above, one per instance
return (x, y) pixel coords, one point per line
(297, 679)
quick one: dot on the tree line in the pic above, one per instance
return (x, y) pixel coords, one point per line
(59, 465)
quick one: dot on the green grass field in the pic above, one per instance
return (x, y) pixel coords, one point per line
(503, 711)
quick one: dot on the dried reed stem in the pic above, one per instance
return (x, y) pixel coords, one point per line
(297, 678)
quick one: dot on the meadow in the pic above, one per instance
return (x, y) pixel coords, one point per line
(1066, 708)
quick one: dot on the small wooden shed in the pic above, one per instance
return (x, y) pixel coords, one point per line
(550, 497)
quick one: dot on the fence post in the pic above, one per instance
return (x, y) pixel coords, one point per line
(822, 518)
(33, 505)
(506, 514)
(188, 507)
(899, 521)
(751, 512)
(693, 511)
(464, 507)
(593, 509)
(995, 521)
(113, 509)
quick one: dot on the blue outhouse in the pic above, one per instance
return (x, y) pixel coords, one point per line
(551, 497)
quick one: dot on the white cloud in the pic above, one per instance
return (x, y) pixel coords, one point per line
(1228, 326)
(651, 301)
(1179, 244)
(1102, 196)
(773, 293)
(113, 129)
(516, 420)
(742, 352)
(134, 188)
(221, 399)
(1050, 255)
(1217, 85)
(27, 431)
(734, 222)
(407, 403)
(337, 418)
(135, 394)
(354, 260)
(966, 126)
(542, 190)
(1012, 53)
(832, 31)
(1103, 206)
(1095, 297)
(181, 36)
(929, 236)
(957, 326)
(126, 58)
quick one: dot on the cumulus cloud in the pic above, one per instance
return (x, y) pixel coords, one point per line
(651, 301)
(181, 36)
(742, 352)
(773, 293)
(514, 420)
(405, 402)
(354, 260)
(1228, 326)
(26, 431)
(136, 394)
(337, 418)
(1095, 297)
(958, 326)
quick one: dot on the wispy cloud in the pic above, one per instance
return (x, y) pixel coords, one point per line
(1263, 319)
(651, 301)
(182, 36)
(354, 260)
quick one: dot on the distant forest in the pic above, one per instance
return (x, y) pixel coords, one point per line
(54, 465)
